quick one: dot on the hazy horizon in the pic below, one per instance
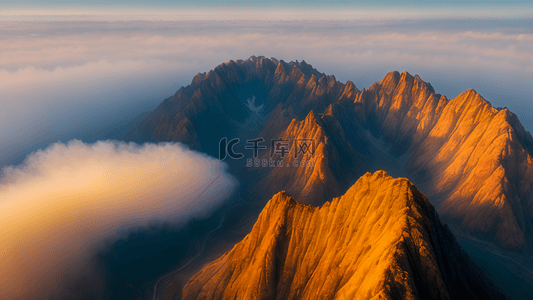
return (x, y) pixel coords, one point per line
(261, 10)
(79, 79)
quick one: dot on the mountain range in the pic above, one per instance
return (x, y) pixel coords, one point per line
(473, 161)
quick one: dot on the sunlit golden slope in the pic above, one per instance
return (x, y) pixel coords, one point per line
(309, 176)
(381, 240)
(481, 168)
(471, 159)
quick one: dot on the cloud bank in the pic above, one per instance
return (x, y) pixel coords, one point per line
(64, 203)
(61, 79)
(260, 10)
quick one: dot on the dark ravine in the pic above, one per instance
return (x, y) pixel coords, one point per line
(381, 240)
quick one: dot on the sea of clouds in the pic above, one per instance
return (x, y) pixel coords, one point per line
(67, 202)
(61, 80)
(69, 79)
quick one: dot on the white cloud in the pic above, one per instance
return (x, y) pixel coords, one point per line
(64, 203)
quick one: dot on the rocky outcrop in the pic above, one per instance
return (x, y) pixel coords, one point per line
(380, 240)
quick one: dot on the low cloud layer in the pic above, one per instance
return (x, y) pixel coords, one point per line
(60, 79)
(64, 203)
(260, 10)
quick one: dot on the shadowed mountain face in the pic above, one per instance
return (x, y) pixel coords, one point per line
(380, 240)
(472, 160)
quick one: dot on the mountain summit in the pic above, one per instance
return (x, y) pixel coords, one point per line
(380, 240)
(473, 160)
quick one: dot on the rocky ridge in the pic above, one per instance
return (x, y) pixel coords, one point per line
(380, 240)
(472, 160)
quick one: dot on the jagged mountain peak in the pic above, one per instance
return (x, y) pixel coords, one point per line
(391, 79)
(280, 201)
(288, 67)
(406, 76)
(475, 98)
(450, 147)
(394, 81)
(380, 240)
